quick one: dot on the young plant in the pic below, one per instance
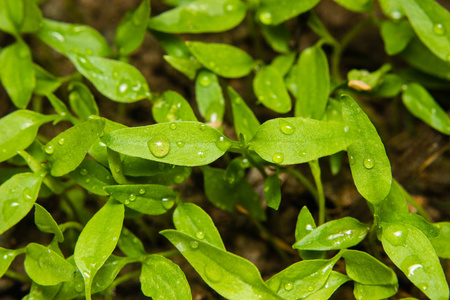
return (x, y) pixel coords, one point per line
(135, 173)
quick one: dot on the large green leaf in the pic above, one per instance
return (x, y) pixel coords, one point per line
(271, 91)
(297, 140)
(370, 166)
(396, 36)
(179, 143)
(208, 94)
(201, 16)
(229, 275)
(273, 12)
(245, 121)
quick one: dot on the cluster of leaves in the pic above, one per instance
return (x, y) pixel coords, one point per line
(133, 170)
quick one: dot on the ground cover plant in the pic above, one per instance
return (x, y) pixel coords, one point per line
(278, 123)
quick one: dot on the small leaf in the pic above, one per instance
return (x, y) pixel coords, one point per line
(277, 37)
(369, 163)
(245, 121)
(194, 221)
(412, 252)
(335, 280)
(392, 9)
(338, 234)
(271, 91)
(92, 176)
(175, 176)
(229, 275)
(288, 141)
(422, 105)
(162, 279)
(301, 279)
(208, 94)
(59, 106)
(374, 292)
(396, 36)
(132, 28)
(46, 83)
(319, 28)
(272, 191)
(224, 60)
(305, 225)
(98, 240)
(172, 44)
(17, 73)
(389, 88)
(172, 107)
(82, 101)
(272, 12)
(283, 62)
(362, 80)
(187, 66)
(130, 244)
(6, 258)
(46, 267)
(98, 148)
(32, 17)
(116, 80)
(67, 150)
(72, 38)
(179, 143)
(313, 83)
(440, 243)
(147, 199)
(45, 222)
(11, 16)
(200, 16)
(356, 5)
(235, 170)
(17, 196)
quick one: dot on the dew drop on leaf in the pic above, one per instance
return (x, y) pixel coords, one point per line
(127, 202)
(87, 180)
(288, 286)
(159, 146)
(83, 172)
(79, 288)
(398, 238)
(122, 87)
(132, 197)
(61, 142)
(396, 15)
(278, 158)
(439, 29)
(27, 194)
(173, 126)
(142, 191)
(200, 235)
(194, 245)
(49, 149)
(201, 154)
(368, 163)
(205, 81)
(413, 265)
(115, 75)
(223, 144)
(166, 203)
(310, 288)
(286, 127)
(178, 179)
(202, 127)
(265, 18)
(180, 144)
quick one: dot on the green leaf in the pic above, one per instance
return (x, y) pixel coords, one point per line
(362, 80)
(17, 196)
(356, 5)
(32, 17)
(73, 38)
(66, 151)
(277, 37)
(130, 244)
(369, 163)
(172, 107)
(396, 36)
(45, 222)
(374, 292)
(194, 221)
(392, 8)
(390, 87)
(114, 79)
(338, 234)
(45, 266)
(245, 121)
(6, 258)
(98, 148)
(46, 83)
(319, 28)
(147, 199)
(412, 252)
(272, 191)
(422, 105)
(297, 140)
(431, 22)
(135, 166)
(162, 279)
(42, 292)
(305, 224)
(59, 106)
(82, 101)
(271, 91)
(17, 73)
(235, 170)
(283, 62)
(18, 130)
(172, 44)
(272, 12)
(291, 80)
(98, 240)
(301, 279)
(335, 280)
(179, 143)
(231, 276)
(11, 16)
(200, 16)
(187, 66)
(441, 242)
(208, 94)
(227, 196)
(313, 83)
(224, 60)
(365, 269)
(92, 176)
(132, 28)
(175, 176)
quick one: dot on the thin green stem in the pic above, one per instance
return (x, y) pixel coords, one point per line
(169, 253)
(305, 181)
(71, 225)
(17, 276)
(373, 237)
(253, 162)
(271, 240)
(316, 172)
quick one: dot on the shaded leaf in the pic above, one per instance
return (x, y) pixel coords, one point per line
(92, 176)
(441, 242)
(305, 224)
(272, 191)
(272, 12)
(82, 101)
(172, 107)
(277, 37)
(208, 94)
(45, 222)
(130, 244)
(271, 91)
(335, 280)
(245, 121)
(396, 36)
(356, 5)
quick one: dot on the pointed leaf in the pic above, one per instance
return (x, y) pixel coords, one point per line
(187, 66)
(335, 280)
(45, 222)
(374, 292)
(277, 37)
(82, 101)
(283, 62)
(6, 258)
(396, 36)
(305, 224)
(271, 91)
(245, 121)
(172, 107)
(92, 176)
(272, 191)
(208, 94)
(130, 244)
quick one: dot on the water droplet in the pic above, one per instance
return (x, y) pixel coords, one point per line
(265, 18)
(166, 203)
(83, 172)
(79, 288)
(27, 194)
(115, 75)
(398, 238)
(229, 7)
(123, 87)
(223, 144)
(423, 286)
(194, 245)
(173, 126)
(310, 288)
(368, 163)
(180, 144)
(439, 29)
(61, 142)
(213, 273)
(205, 81)
(288, 286)
(142, 191)
(127, 202)
(49, 149)
(132, 197)
(278, 158)
(202, 127)
(396, 15)
(201, 154)
(87, 180)
(159, 146)
(286, 127)
(200, 235)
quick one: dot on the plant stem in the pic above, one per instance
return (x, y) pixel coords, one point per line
(169, 253)
(253, 162)
(299, 176)
(271, 240)
(17, 276)
(71, 225)
(120, 280)
(316, 172)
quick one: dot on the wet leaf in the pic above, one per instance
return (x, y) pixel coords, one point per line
(17, 196)
(178, 143)
(374, 292)
(288, 141)
(335, 280)
(235, 170)
(272, 191)
(66, 151)
(283, 62)
(187, 66)
(98, 148)
(82, 101)
(224, 60)
(209, 97)
(92, 176)
(370, 166)
(272, 12)
(6, 258)
(412, 252)
(305, 224)
(175, 176)
(440, 243)
(356, 5)
(135, 166)
(200, 16)
(11, 16)
(45, 222)
(245, 121)
(162, 279)
(130, 244)
(46, 267)
(271, 91)
(392, 9)
(389, 88)
(396, 36)
(277, 37)
(363, 80)
(229, 275)
(172, 44)
(338, 234)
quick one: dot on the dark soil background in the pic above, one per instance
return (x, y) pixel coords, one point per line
(419, 155)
